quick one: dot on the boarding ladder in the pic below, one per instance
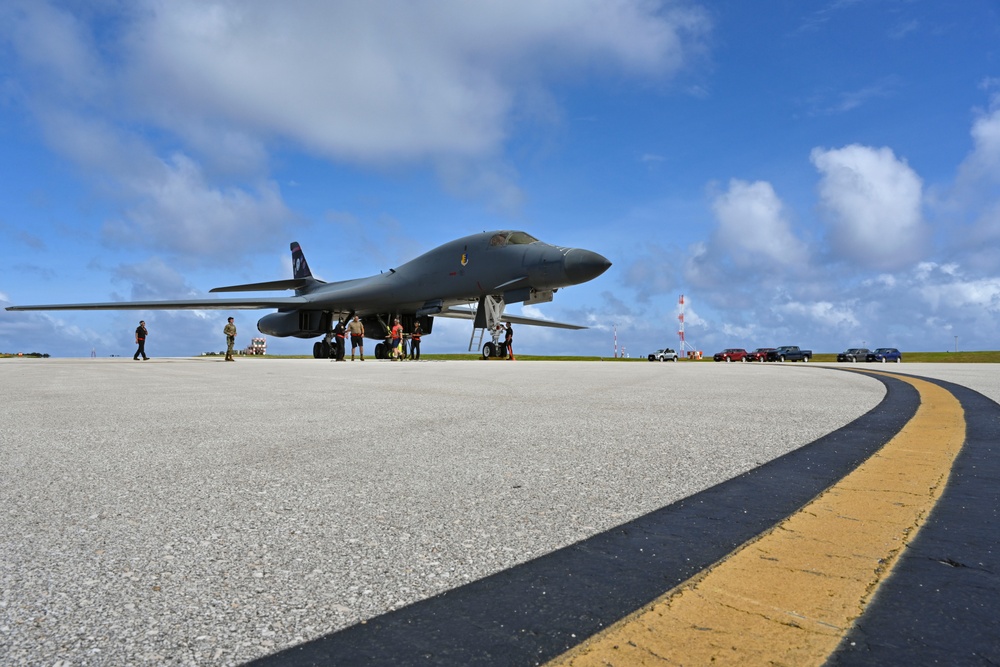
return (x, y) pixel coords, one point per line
(488, 315)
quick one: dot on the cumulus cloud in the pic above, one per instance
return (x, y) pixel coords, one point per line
(177, 208)
(753, 226)
(984, 161)
(822, 314)
(211, 87)
(873, 203)
(754, 237)
(385, 80)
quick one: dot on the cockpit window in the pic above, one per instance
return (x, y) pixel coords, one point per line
(521, 238)
(512, 238)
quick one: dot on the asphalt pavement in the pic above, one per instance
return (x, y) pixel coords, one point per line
(197, 512)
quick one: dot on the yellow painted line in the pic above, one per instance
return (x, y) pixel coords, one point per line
(789, 596)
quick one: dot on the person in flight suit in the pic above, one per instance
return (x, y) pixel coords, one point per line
(140, 340)
(230, 331)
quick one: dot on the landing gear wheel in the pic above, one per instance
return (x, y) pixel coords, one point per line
(316, 350)
(325, 350)
(489, 350)
(380, 350)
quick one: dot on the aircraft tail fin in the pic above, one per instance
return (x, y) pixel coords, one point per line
(300, 269)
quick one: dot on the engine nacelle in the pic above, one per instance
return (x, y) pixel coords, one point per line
(298, 323)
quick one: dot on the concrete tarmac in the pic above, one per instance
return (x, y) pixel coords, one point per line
(196, 512)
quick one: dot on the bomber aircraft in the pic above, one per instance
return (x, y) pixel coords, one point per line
(473, 277)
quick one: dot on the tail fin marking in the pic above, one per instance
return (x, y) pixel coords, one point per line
(300, 269)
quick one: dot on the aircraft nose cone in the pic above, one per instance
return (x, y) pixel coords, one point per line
(583, 265)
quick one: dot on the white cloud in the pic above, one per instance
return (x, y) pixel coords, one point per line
(873, 203)
(754, 243)
(982, 165)
(389, 81)
(384, 81)
(945, 288)
(178, 209)
(189, 88)
(822, 314)
(753, 227)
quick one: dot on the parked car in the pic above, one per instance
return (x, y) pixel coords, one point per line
(666, 354)
(760, 354)
(854, 355)
(884, 354)
(789, 353)
(731, 354)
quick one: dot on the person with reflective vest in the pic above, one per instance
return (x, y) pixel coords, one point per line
(397, 340)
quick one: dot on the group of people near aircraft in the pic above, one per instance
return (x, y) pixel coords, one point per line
(395, 339)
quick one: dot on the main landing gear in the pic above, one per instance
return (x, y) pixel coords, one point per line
(323, 349)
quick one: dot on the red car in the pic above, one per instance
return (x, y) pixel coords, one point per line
(731, 354)
(760, 354)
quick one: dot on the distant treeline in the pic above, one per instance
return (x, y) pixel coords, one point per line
(37, 355)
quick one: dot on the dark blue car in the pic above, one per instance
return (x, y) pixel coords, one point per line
(885, 354)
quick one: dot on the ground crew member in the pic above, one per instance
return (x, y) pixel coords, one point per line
(357, 331)
(508, 342)
(397, 339)
(140, 340)
(230, 331)
(415, 341)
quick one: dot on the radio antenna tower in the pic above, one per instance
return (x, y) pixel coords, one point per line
(680, 330)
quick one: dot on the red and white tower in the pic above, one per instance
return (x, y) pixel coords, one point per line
(680, 330)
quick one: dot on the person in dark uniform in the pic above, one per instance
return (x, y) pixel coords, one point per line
(508, 342)
(339, 335)
(415, 341)
(140, 340)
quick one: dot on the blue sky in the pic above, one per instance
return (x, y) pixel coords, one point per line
(817, 173)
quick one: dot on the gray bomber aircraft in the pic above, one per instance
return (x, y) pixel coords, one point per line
(471, 278)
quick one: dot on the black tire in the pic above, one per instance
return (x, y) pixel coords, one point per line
(316, 350)
(380, 350)
(489, 350)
